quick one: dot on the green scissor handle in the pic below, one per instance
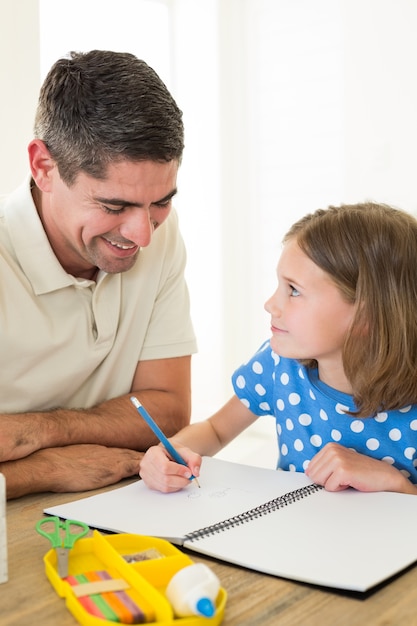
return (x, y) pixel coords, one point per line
(54, 535)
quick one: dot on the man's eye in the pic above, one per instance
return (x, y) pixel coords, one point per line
(112, 211)
(163, 205)
(294, 293)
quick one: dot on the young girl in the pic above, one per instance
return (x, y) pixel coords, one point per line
(339, 373)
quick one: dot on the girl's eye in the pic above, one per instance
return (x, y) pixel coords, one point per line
(294, 293)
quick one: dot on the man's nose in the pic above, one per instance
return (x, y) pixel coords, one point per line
(138, 227)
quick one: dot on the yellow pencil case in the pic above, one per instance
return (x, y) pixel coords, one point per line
(122, 578)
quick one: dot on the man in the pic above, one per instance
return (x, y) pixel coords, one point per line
(93, 301)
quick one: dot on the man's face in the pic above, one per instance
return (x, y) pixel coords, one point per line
(104, 223)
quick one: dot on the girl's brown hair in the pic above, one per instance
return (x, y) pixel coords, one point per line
(370, 252)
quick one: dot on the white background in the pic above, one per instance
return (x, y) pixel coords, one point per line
(288, 105)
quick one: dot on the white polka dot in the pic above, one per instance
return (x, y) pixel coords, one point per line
(279, 429)
(240, 382)
(372, 443)
(289, 424)
(260, 390)
(312, 395)
(336, 435)
(245, 402)
(406, 474)
(394, 434)
(284, 450)
(323, 415)
(381, 417)
(306, 464)
(292, 468)
(264, 406)
(284, 379)
(316, 441)
(409, 453)
(276, 358)
(301, 373)
(388, 459)
(257, 367)
(280, 404)
(305, 419)
(406, 409)
(294, 398)
(357, 426)
(341, 408)
(298, 445)
(413, 425)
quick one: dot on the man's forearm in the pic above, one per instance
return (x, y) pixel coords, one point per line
(113, 423)
(69, 469)
(32, 474)
(21, 477)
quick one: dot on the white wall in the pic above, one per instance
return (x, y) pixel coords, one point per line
(19, 80)
(288, 105)
(381, 101)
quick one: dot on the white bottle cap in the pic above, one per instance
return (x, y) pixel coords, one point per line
(193, 591)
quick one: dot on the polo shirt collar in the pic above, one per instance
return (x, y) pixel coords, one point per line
(31, 244)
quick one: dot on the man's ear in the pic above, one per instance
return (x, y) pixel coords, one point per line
(41, 164)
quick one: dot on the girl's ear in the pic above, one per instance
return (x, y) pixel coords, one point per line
(41, 164)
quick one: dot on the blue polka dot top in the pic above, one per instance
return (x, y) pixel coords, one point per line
(309, 414)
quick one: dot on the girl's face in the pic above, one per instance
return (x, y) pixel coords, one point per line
(309, 316)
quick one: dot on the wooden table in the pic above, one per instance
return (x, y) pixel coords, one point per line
(28, 599)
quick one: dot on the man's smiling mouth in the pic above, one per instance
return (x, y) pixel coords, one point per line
(121, 246)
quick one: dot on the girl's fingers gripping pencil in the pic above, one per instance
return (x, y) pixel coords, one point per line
(158, 432)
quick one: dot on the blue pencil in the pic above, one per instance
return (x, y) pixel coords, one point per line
(158, 432)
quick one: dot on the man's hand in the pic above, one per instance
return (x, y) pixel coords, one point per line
(337, 468)
(20, 435)
(69, 469)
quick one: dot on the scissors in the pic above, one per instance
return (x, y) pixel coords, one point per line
(61, 544)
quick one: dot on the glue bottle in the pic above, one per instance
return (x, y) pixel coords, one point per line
(193, 591)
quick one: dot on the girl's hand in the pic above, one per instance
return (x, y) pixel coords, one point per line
(337, 468)
(161, 473)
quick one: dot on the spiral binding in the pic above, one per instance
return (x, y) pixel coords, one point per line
(259, 511)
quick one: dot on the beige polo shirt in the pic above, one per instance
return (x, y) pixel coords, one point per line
(69, 342)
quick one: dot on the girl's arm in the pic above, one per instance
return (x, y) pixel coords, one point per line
(204, 438)
(336, 468)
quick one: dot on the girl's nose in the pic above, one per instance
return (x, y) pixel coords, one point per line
(272, 305)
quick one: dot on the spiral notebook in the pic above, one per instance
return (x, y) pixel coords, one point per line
(278, 523)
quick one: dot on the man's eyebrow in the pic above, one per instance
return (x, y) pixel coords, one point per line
(125, 203)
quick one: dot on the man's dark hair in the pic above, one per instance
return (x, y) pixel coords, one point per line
(101, 106)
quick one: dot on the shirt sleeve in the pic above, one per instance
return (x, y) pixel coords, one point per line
(253, 382)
